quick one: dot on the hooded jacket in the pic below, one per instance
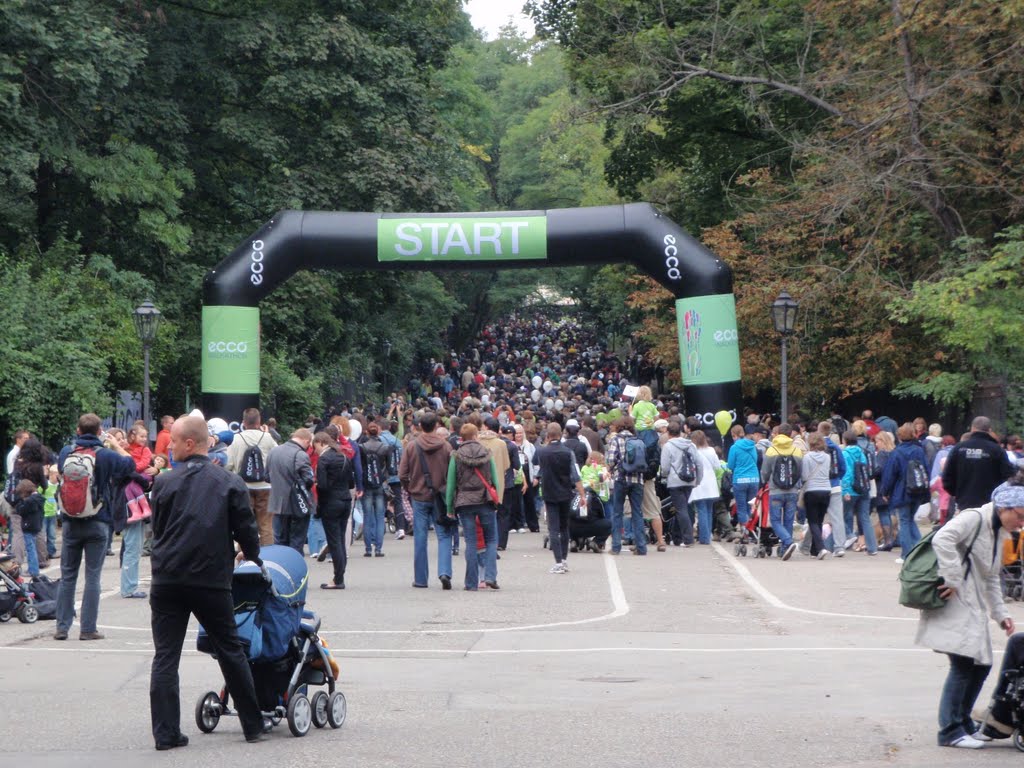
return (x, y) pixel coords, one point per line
(894, 476)
(499, 452)
(852, 455)
(814, 471)
(782, 445)
(410, 468)
(465, 488)
(743, 461)
(671, 461)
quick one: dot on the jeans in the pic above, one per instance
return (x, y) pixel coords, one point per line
(374, 512)
(635, 493)
(171, 606)
(909, 533)
(860, 507)
(50, 526)
(680, 502)
(963, 684)
(485, 515)
(291, 531)
(89, 538)
(315, 536)
(31, 555)
(744, 491)
(423, 515)
(131, 542)
(782, 514)
(705, 518)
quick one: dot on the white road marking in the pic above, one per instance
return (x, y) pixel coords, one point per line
(775, 602)
(620, 607)
(412, 653)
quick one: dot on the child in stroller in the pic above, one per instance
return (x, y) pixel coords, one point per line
(1004, 716)
(285, 653)
(16, 600)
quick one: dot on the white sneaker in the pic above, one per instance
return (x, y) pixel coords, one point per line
(399, 535)
(558, 568)
(850, 542)
(839, 553)
(523, 530)
(966, 742)
(898, 561)
(789, 551)
(824, 554)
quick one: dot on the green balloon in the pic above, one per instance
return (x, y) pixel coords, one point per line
(723, 420)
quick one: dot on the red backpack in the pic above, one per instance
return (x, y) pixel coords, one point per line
(76, 493)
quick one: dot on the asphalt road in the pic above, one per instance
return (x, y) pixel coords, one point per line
(688, 657)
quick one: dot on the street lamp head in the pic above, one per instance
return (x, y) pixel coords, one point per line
(147, 319)
(784, 313)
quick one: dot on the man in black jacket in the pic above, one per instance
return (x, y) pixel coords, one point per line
(199, 509)
(975, 467)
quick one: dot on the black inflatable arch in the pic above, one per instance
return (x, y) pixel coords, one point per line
(295, 240)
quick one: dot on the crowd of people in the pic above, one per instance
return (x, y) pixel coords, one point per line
(533, 424)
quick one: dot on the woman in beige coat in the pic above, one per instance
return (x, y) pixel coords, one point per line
(969, 551)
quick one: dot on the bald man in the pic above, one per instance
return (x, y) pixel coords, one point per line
(199, 509)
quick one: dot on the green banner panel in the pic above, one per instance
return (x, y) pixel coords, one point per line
(231, 350)
(709, 350)
(462, 238)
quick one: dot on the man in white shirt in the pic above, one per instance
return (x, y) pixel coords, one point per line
(19, 439)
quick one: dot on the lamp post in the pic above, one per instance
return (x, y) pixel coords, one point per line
(784, 317)
(387, 358)
(147, 320)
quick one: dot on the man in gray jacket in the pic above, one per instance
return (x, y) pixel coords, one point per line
(682, 468)
(289, 464)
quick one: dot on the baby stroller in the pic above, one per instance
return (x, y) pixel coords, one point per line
(16, 599)
(758, 536)
(285, 653)
(1011, 575)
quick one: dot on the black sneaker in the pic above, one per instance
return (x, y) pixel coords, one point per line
(446, 582)
(492, 585)
(322, 554)
(378, 554)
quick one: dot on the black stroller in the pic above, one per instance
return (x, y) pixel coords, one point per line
(285, 653)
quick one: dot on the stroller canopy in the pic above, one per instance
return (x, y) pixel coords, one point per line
(279, 607)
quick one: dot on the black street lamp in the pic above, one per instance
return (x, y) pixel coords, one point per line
(784, 317)
(387, 359)
(147, 320)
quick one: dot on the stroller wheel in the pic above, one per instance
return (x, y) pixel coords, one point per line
(5, 617)
(208, 711)
(319, 705)
(743, 550)
(27, 613)
(337, 709)
(1018, 740)
(300, 715)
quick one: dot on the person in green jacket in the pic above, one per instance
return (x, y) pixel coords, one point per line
(471, 493)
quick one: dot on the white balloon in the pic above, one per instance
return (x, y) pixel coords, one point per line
(548, 386)
(537, 380)
(549, 404)
(535, 395)
(355, 429)
(559, 405)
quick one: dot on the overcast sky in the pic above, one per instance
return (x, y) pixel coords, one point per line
(492, 14)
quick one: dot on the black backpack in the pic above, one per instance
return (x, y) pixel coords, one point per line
(253, 469)
(687, 471)
(917, 479)
(786, 472)
(833, 467)
(861, 478)
(375, 466)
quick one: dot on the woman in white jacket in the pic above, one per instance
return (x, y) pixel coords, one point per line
(705, 493)
(969, 551)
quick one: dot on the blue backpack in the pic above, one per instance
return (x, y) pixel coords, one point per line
(634, 457)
